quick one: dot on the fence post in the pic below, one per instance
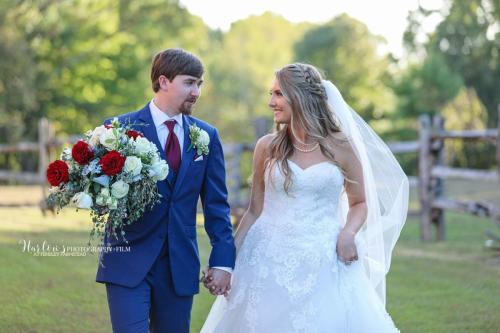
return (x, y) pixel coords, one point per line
(43, 154)
(424, 169)
(437, 214)
(235, 166)
(261, 127)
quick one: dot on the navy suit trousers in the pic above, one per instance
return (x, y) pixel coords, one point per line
(152, 306)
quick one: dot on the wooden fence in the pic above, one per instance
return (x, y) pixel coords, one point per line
(431, 169)
(432, 172)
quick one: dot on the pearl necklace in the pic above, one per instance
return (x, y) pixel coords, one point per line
(305, 150)
(303, 143)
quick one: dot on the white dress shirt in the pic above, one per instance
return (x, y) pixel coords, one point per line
(159, 119)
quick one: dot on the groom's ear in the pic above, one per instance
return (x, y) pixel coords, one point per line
(163, 82)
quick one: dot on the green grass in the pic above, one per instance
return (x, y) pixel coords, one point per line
(452, 286)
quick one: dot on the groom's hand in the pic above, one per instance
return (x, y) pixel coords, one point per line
(217, 281)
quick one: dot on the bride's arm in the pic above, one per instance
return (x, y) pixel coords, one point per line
(356, 216)
(257, 191)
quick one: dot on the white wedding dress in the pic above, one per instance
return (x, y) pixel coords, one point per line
(288, 277)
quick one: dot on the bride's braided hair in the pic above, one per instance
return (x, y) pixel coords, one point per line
(301, 85)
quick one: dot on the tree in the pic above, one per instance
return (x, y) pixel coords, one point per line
(425, 88)
(81, 61)
(468, 38)
(240, 71)
(347, 52)
(466, 112)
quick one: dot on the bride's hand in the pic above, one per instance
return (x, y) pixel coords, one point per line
(346, 247)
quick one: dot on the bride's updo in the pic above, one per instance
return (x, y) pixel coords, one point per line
(302, 87)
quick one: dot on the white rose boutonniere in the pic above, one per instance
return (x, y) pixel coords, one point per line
(199, 140)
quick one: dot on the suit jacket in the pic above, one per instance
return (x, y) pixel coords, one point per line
(174, 219)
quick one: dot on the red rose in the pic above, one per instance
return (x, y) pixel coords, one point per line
(82, 153)
(57, 173)
(134, 134)
(112, 163)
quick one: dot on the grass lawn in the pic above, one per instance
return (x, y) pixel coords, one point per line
(453, 286)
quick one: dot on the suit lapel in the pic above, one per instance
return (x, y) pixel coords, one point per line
(149, 130)
(187, 154)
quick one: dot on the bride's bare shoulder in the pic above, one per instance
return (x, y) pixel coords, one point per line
(341, 141)
(339, 136)
(263, 144)
(261, 153)
(344, 151)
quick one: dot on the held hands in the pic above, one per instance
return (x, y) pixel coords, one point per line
(217, 281)
(346, 247)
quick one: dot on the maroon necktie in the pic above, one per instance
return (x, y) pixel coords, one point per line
(172, 147)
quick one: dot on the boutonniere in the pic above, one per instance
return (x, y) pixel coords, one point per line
(199, 140)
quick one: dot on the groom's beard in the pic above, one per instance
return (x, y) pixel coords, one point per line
(188, 106)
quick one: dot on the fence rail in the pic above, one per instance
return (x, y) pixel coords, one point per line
(431, 169)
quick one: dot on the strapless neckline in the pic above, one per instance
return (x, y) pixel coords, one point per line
(312, 166)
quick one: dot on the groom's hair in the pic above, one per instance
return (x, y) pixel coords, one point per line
(173, 62)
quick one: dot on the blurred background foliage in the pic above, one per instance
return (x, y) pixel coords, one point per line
(77, 62)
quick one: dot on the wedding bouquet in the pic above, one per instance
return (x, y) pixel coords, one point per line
(112, 172)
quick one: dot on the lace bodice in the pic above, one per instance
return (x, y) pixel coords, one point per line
(310, 206)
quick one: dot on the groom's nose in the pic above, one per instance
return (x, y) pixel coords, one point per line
(196, 90)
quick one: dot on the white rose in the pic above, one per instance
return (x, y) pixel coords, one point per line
(119, 189)
(160, 170)
(108, 139)
(204, 139)
(133, 165)
(96, 135)
(82, 200)
(142, 146)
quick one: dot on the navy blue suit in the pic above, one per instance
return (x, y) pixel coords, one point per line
(160, 274)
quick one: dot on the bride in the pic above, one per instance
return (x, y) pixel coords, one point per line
(327, 205)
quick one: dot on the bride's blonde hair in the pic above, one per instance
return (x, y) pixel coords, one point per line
(302, 87)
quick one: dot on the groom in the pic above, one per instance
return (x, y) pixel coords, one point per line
(151, 287)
